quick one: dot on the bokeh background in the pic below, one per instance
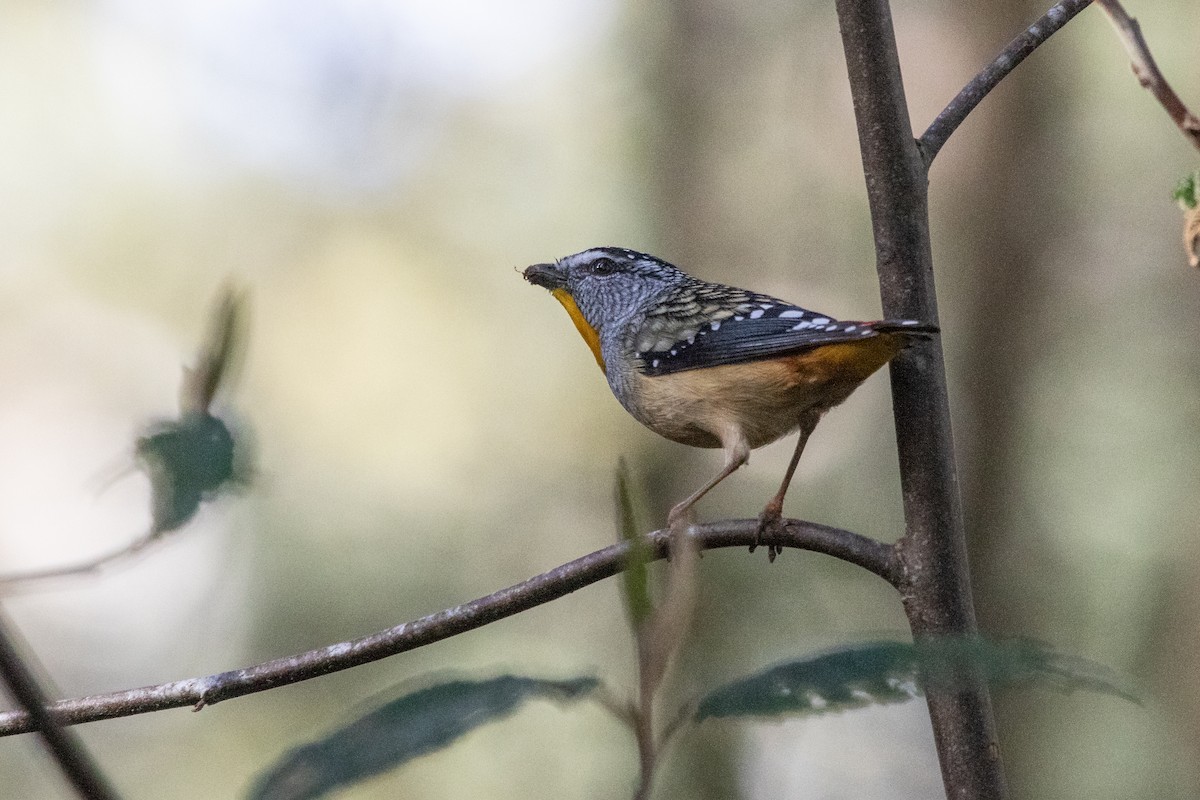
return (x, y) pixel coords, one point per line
(428, 428)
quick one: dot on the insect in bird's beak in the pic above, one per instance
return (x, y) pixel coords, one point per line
(548, 276)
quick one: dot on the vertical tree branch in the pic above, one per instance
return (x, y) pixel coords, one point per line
(936, 584)
(63, 745)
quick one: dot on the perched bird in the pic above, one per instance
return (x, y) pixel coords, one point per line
(709, 365)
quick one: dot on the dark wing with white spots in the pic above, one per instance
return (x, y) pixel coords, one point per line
(753, 328)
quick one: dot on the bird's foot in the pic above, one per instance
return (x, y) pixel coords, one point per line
(679, 518)
(679, 522)
(770, 531)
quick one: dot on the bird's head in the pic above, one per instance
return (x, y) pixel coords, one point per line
(605, 286)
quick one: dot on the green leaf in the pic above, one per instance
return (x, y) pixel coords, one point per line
(188, 461)
(411, 726)
(872, 673)
(848, 677)
(1185, 191)
(635, 577)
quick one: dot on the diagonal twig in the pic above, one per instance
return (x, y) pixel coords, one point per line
(64, 746)
(13, 582)
(1147, 72)
(874, 556)
(973, 93)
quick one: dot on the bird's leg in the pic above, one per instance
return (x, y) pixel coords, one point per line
(770, 520)
(737, 453)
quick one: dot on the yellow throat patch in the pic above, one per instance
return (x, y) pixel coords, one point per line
(588, 333)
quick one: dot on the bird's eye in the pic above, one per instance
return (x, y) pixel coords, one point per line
(603, 266)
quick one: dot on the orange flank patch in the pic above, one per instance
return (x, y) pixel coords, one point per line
(851, 362)
(588, 333)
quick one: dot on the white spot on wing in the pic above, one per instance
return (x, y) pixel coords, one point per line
(821, 321)
(738, 319)
(850, 328)
(802, 326)
(715, 326)
(829, 328)
(756, 313)
(791, 313)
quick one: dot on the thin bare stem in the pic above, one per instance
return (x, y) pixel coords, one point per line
(659, 638)
(1147, 71)
(990, 76)
(66, 749)
(682, 715)
(647, 748)
(854, 548)
(20, 581)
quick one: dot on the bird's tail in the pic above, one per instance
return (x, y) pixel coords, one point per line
(909, 326)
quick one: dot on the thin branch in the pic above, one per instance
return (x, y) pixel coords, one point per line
(854, 548)
(1147, 71)
(64, 746)
(18, 581)
(982, 84)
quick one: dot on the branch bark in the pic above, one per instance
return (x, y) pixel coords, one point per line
(854, 548)
(1147, 72)
(935, 584)
(990, 76)
(66, 749)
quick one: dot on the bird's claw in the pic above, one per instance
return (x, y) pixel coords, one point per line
(769, 532)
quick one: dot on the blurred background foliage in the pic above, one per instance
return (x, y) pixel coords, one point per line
(428, 428)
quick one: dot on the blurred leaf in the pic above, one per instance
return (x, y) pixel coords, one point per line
(217, 353)
(872, 673)
(1017, 662)
(1185, 192)
(187, 460)
(635, 577)
(190, 459)
(406, 728)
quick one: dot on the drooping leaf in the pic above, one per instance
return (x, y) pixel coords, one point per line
(873, 673)
(635, 578)
(1191, 235)
(414, 725)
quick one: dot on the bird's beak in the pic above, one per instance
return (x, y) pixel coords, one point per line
(548, 276)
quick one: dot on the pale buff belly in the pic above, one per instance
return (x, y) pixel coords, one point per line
(758, 401)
